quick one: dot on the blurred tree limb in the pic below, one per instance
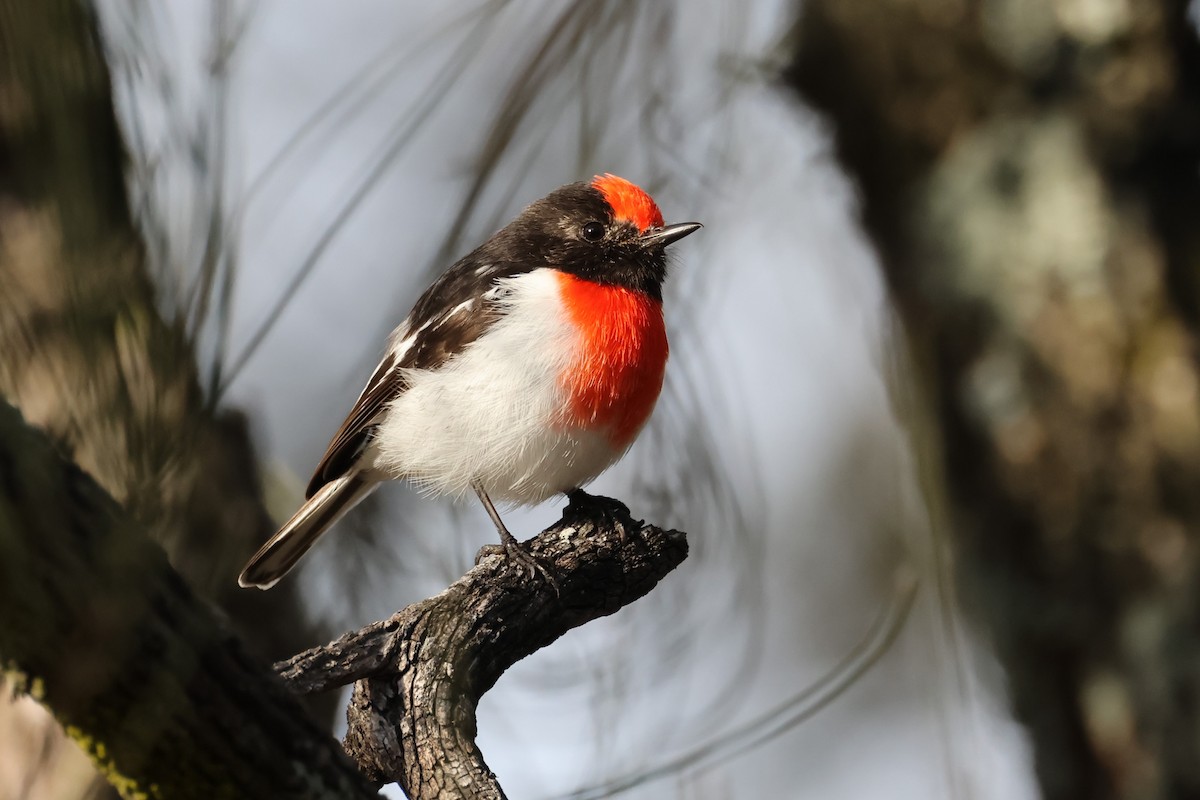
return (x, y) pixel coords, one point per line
(100, 628)
(85, 351)
(1028, 173)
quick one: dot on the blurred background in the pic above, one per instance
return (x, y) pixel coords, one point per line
(931, 418)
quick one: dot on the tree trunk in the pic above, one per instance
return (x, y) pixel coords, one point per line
(99, 627)
(1029, 177)
(87, 355)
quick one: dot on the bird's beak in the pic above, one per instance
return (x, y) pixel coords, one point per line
(661, 237)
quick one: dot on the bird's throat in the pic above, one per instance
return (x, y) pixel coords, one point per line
(615, 378)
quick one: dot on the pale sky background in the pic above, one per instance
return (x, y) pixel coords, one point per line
(779, 347)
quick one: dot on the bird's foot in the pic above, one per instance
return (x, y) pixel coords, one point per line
(521, 559)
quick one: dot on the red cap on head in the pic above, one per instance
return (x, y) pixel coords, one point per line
(628, 202)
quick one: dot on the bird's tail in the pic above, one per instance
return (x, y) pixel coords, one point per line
(285, 548)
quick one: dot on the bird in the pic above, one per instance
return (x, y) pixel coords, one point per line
(524, 371)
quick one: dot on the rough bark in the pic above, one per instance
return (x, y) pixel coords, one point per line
(88, 356)
(100, 628)
(419, 674)
(1028, 172)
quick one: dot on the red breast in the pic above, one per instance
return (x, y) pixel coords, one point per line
(617, 373)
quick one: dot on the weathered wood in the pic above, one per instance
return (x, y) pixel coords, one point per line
(419, 675)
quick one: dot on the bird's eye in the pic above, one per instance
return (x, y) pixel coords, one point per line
(593, 231)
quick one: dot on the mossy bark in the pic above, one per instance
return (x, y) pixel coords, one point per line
(139, 671)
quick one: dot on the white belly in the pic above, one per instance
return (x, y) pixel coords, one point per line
(494, 412)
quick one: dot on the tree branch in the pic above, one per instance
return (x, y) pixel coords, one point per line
(100, 628)
(420, 674)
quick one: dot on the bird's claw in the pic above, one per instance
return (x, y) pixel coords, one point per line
(525, 562)
(521, 559)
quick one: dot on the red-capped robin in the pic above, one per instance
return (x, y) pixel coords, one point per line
(525, 370)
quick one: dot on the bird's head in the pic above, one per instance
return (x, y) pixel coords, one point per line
(607, 231)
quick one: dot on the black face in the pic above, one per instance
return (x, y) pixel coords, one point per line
(572, 229)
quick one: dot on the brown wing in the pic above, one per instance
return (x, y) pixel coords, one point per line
(385, 385)
(440, 335)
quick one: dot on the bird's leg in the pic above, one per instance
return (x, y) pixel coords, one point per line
(512, 548)
(612, 511)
